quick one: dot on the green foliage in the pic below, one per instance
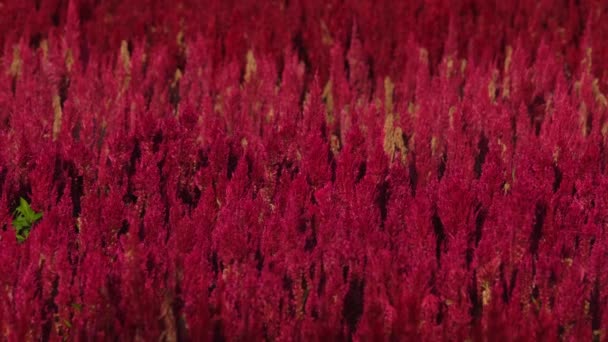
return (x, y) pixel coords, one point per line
(25, 217)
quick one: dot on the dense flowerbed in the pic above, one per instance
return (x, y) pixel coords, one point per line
(304, 170)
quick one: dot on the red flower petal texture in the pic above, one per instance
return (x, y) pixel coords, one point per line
(304, 170)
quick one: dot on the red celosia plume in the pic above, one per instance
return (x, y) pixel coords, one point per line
(304, 170)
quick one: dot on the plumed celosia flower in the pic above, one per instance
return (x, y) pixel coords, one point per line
(304, 170)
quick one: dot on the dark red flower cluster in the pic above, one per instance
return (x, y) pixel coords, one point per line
(304, 170)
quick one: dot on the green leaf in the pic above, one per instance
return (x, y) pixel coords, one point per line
(25, 217)
(25, 207)
(20, 238)
(20, 221)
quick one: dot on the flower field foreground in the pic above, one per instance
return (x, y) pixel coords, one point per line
(303, 170)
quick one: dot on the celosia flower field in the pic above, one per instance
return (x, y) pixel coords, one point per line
(303, 170)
